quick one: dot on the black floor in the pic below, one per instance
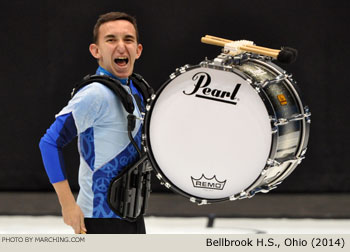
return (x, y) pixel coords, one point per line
(269, 205)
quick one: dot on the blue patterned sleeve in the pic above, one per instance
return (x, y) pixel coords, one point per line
(61, 132)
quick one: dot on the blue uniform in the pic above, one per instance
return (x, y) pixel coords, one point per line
(96, 115)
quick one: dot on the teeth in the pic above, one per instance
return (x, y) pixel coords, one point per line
(121, 59)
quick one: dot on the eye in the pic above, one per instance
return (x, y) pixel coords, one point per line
(129, 39)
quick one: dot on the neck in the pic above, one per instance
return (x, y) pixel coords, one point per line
(102, 71)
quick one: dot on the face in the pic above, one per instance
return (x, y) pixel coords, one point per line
(117, 49)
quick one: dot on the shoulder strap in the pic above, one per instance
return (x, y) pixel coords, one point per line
(142, 85)
(112, 84)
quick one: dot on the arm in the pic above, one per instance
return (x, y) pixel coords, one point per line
(61, 132)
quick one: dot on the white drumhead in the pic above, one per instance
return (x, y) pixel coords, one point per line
(209, 148)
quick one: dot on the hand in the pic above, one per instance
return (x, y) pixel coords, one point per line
(71, 212)
(74, 217)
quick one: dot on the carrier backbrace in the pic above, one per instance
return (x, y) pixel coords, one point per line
(129, 191)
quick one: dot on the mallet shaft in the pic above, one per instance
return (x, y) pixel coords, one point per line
(212, 40)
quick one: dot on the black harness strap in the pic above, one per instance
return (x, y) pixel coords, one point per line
(112, 84)
(142, 85)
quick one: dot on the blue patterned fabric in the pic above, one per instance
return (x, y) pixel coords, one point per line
(87, 147)
(104, 175)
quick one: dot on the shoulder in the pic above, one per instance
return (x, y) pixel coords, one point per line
(93, 92)
(94, 88)
(89, 99)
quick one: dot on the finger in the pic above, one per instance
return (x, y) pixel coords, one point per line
(76, 227)
(82, 226)
(76, 230)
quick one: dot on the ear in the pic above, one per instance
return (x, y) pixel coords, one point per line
(94, 50)
(139, 51)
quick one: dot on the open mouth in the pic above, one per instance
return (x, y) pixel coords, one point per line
(121, 61)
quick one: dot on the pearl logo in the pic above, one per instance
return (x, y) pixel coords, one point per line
(202, 90)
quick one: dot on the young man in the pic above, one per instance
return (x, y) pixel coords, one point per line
(99, 119)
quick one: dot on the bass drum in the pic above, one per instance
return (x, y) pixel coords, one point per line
(226, 129)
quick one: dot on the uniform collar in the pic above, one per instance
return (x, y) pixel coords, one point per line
(101, 71)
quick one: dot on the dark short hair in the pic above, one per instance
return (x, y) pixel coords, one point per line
(112, 16)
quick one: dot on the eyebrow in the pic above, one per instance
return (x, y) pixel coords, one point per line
(109, 36)
(128, 36)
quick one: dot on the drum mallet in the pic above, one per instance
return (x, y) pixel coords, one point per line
(286, 55)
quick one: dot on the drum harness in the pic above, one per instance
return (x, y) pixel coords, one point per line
(129, 191)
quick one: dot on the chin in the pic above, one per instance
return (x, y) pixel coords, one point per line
(122, 75)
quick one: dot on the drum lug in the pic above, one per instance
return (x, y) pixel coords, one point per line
(249, 81)
(303, 152)
(167, 185)
(233, 197)
(277, 79)
(153, 97)
(281, 121)
(257, 89)
(199, 203)
(300, 158)
(187, 66)
(274, 128)
(266, 189)
(184, 68)
(282, 77)
(222, 60)
(203, 202)
(172, 76)
(179, 71)
(263, 189)
(297, 117)
(269, 164)
(308, 114)
(255, 85)
(243, 195)
(193, 200)
(248, 194)
(159, 176)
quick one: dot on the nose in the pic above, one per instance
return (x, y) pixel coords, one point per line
(120, 46)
